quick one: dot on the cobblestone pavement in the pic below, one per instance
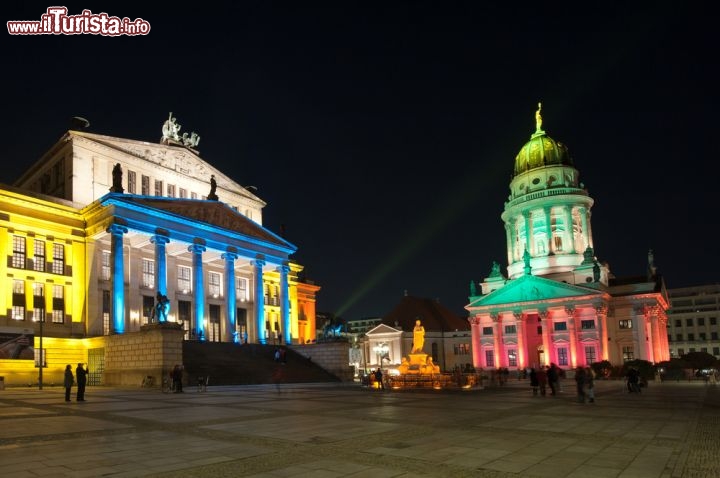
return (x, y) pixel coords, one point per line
(330, 430)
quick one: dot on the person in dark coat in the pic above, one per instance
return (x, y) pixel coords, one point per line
(534, 381)
(177, 375)
(68, 382)
(81, 375)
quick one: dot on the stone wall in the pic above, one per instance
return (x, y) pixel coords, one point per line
(151, 352)
(332, 356)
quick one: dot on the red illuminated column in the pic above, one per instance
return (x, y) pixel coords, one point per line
(497, 339)
(601, 313)
(545, 323)
(572, 334)
(476, 331)
(521, 342)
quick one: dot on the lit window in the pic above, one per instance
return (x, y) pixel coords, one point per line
(587, 324)
(58, 263)
(625, 324)
(105, 265)
(590, 355)
(132, 186)
(214, 284)
(148, 273)
(241, 289)
(171, 190)
(562, 356)
(145, 185)
(628, 353)
(184, 279)
(18, 258)
(58, 305)
(39, 259)
(489, 358)
(158, 187)
(510, 329)
(512, 358)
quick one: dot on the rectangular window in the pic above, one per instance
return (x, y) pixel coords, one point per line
(171, 190)
(183, 193)
(58, 263)
(628, 353)
(681, 352)
(148, 305)
(38, 302)
(58, 304)
(158, 187)
(489, 358)
(462, 349)
(267, 294)
(590, 356)
(18, 258)
(39, 253)
(487, 331)
(689, 322)
(679, 337)
(701, 320)
(678, 323)
(213, 333)
(241, 289)
(560, 326)
(18, 300)
(716, 351)
(193, 195)
(512, 358)
(184, 279)
(713, 320)
(106, 311)
(587, 325)
(145, 191)
(558, 243)
(625, 324)
(562, 356)
(510, 329)
(183, 316)
(713, 336)
(214, 284)
(105, 265)
(132, 180)
(691, 337)
(702, 336)
(148, 273)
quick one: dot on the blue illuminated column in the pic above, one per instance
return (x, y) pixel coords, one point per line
(161, 261)
(231, 297)
(285, 304)
(198, 290)
(118, 276)
(259, 301)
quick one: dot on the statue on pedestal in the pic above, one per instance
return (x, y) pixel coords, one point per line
(418, 337)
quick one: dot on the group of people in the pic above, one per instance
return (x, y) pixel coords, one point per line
(545, 376)
(585, 384)
(81, 376)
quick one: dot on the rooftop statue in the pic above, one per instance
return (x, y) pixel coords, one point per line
(171, 129)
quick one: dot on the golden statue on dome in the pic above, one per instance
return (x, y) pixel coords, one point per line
(538, 118)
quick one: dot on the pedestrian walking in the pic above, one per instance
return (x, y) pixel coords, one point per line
(580, 384)
(379, 378)
(68, 382)
(553, 378)
(534, 383)
(542, 380)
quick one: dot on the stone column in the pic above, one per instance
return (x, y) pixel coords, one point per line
(497, 339)
(509, 242)
(521, 342)
(639, 333)
(285, 303)
(548, 225)
(528, 232)
(546, 339)
(572, 335)
(588, 215)
(654, 347)
(161, 260)
(117, 261)
(476, 334)
(231, 296)
(259, 301)
(569, 230)
(198, 290)
(601, 313)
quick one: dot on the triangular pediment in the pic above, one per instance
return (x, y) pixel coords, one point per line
(181, 159)
(530, 288)
(209, 212)
(383, 329)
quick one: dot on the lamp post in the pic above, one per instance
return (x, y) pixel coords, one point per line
(42, 358)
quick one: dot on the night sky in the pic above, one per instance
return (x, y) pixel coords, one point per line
(382, 135)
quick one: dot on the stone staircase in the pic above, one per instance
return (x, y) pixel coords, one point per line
(248, 364)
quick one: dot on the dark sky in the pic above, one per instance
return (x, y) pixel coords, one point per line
(383, 134)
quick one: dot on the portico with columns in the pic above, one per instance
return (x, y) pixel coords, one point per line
(227, 278)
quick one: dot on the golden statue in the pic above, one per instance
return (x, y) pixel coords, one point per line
(538, 118)
(418, 337)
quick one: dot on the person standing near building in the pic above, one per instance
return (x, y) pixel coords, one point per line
(379, 378)
(81, 375)
(68, 382)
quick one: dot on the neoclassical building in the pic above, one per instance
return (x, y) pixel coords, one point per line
(557, 303)
(99, 226)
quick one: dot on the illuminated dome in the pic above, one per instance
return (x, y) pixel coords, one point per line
(541, 151)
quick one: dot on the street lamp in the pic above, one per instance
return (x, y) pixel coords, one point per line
(380, 350)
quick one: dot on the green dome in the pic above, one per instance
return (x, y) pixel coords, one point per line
(541, 151)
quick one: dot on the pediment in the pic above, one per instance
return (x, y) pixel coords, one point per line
(181, 159)
(383, 329)
(209, 212)
(530, 288)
